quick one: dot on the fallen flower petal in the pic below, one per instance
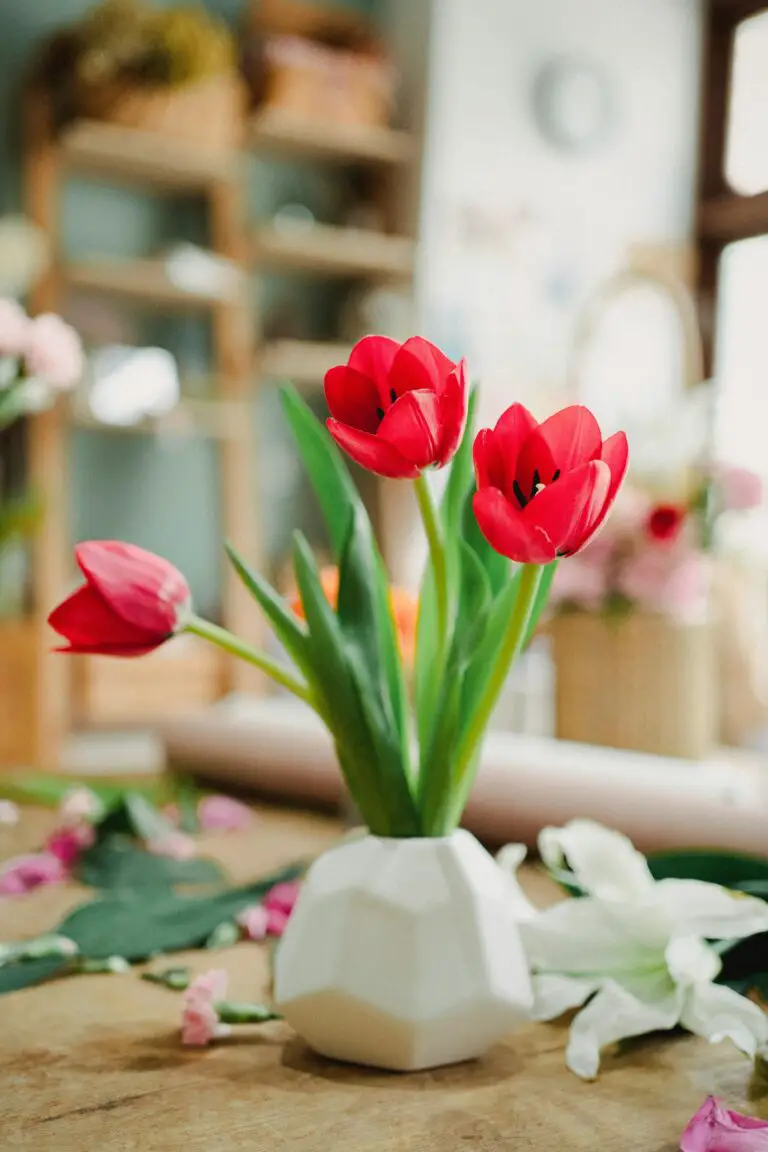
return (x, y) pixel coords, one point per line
(176, 845)
(223, 813)
(81, 804)
(718, 1129)
(277, 921)
(255, 921)
(200, 1021)
(282, 897)
(68, 844)
(23, 873)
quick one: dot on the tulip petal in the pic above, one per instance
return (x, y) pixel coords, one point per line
(452, 400)
(88, 623)
(612, 1015)
(572, 436)
(412, 425)
(372, 453)
(353, 398)
(144, 589)
(512, 431)
(419, 366)
(488, 461)
(615, 453)
(605, 863)
(566, 509)
(718, 1013)
(373, 357)
(506, 530)
(718, 1129)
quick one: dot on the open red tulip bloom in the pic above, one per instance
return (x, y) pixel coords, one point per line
(132, 601)
(397, 408)
(545, 489)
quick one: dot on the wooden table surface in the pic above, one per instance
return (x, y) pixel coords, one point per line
(94, 1063)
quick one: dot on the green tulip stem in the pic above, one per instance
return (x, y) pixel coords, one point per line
(229, 643)
(230, 1012)
(431, 520)
(514, 641)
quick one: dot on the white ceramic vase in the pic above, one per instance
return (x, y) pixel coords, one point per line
(403, 954)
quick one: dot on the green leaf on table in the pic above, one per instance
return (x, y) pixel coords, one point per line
(729, 869)
(49, 790)
(116, 863)
(146, 820)
(177, 979)
(186, 796)
(26, 973)
(135, 928)
(745, 960)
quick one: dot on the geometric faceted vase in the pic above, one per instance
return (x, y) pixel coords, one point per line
(403, 954)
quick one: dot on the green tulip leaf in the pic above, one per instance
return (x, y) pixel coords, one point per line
(26, 973)
(730, 869)
(118, 864)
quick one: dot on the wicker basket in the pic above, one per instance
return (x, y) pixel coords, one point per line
(640, 682)
(210, 112)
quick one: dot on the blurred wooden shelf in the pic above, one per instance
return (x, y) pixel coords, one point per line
(145, 281)
(214, 419)
(304, 362)
(19, 717)
(332, 251)
(104, 149)
(283, 135)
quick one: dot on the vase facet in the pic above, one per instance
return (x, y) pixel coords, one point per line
(403, 954)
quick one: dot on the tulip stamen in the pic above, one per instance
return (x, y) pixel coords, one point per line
(519, 494)
(392, 395)
(380, 413)
(536, 484)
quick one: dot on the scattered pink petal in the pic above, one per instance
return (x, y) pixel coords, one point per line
(54, 352)
(15, 328)
(200, 1020)
(282, 897)
(718, 1129)
(255, 921)
(277, 920)
(81, 804)
(223, 813)
(9, 812)
(177, 845)
(67, 844)
(740, 489)
(23, 873)
(172, 814)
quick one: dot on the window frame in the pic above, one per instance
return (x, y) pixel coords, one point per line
(723, 216)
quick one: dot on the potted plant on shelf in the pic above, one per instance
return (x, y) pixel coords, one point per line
(403, 951)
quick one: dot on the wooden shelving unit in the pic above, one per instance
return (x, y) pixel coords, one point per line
(280, 135)
(329, 251)
(305, 362)
(144, 281)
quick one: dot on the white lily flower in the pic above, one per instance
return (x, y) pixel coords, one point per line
(635, 948)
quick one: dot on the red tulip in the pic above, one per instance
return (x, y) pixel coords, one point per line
(131, 603)
(665, 522)
(397, 408)
(545, 489)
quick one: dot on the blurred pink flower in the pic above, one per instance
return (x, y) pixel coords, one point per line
(277, 921)
(54, 352)
(581, 582)
(255, 921)
(200, 1021)
(15, 328)
(81, 804)
(223, 813)
(68, 843)
(667, 580)
(283, 896)
(740, 488)
(718, 1129)
(177, 845)
(23, 873)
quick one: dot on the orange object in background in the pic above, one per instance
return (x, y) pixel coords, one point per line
(405, 610)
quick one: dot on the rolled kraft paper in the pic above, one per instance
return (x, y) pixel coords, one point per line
(281, 751)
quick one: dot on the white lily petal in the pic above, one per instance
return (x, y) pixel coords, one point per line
(554, 994)
(612, 1015)
(509, 859)
(718, 1013)
(606, 864)
(581, 937)
(696, 908)
(690, 961)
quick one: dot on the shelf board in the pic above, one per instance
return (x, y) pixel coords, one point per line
(330, 251)
(144, 281)
(280, 134)
(304, 362)
(146, 157)
(214, 419)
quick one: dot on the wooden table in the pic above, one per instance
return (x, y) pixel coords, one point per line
(94, 1063)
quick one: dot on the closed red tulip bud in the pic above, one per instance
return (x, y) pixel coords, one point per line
(131, 603)
(397, 408)
(545, 489)
(665, 522)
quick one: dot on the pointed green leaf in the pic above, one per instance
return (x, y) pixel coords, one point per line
(26, 973)
(497, 567)
(487, 648)
(117, 864)
(291, 633)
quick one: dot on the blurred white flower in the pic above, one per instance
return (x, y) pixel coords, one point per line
(633, 949)
(54, 352)
(24, 255)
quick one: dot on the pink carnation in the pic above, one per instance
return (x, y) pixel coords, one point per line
(662, 580)
(81, 804)
(23, 873)
(740, 488)
(255, 921)
(54, 352)
(67, 844)
(283, 896)
(177, 845)
(223, 813)
(15, 328)
(200, 1021)
(718, 1129)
